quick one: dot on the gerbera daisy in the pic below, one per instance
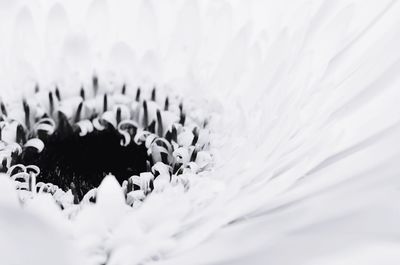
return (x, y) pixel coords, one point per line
(198, 132)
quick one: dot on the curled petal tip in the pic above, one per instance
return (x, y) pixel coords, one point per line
(35, 143)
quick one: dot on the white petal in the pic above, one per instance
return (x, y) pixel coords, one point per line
(29, 239)
(185, 138)
(110, 200)
(8, 195)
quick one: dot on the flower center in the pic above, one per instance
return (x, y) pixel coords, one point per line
(71, 144)
(85, 160)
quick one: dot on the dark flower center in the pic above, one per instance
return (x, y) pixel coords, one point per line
(84, 160)
(58, 150)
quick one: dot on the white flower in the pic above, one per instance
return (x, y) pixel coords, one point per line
(298, 162)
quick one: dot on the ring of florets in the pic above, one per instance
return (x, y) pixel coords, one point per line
(66, 146)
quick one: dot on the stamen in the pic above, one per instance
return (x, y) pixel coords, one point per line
(182, 119)
(152, 127)
(82, 93)
(118, 115)
(95, 83)
(181, 107)
(78, 112)
(21, 136)
(145, 114)
(194, 155)
(138, 94)
(4, 165)
(195, 135)
(58, 95)
(105, 104)
(51, 103)
(153, 94)
(27, 113)
(160, 125)
(166, 105)
(172, 135)
(3, 108)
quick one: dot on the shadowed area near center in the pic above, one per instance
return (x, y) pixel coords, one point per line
(84, 161)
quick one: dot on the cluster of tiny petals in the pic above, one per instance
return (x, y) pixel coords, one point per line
(177, 144)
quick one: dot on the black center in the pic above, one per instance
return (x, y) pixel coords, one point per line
(84, 161)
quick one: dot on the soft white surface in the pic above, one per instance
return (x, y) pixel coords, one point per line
(306, 127)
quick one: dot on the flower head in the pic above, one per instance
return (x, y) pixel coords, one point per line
(268, 151)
